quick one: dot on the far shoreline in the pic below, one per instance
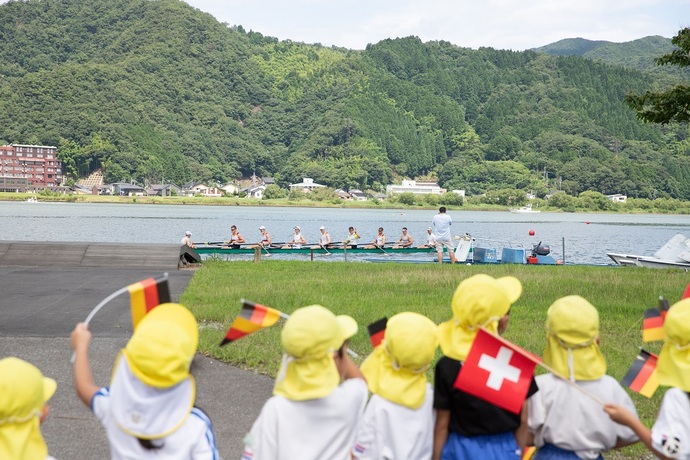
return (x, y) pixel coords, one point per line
(286, 203)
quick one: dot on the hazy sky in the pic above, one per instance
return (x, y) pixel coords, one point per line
(502, 24)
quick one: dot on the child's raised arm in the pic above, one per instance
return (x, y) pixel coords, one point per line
(623, 416)
(83, 379)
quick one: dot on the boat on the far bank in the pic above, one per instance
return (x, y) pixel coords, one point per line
(674, 254)
(524, 209)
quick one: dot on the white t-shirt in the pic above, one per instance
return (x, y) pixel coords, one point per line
(671, 431)
(390, 431)
(430, 239)
(317, 429)
(193, 440)
(561, 415)
(441, 223)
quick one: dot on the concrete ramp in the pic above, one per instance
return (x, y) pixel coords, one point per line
(103, 255)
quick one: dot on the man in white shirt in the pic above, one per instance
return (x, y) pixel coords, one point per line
(441, 223)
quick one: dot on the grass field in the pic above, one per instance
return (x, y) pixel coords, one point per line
(368, 292)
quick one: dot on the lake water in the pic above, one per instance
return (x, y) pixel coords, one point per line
(587, 237)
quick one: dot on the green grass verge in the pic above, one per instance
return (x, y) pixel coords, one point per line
(368, 292)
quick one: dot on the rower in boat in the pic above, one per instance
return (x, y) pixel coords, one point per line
(405, 240)
(379, 241)
(430, 239)
(324, 238)
(265, 240)
(235, 238)
(352, 238)
(297, 240)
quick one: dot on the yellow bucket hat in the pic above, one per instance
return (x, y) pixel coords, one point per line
(310, 337)
(152, 391)
(396, 370)
(479, 300)
(673, 366)
(572, 330)
(23, 393)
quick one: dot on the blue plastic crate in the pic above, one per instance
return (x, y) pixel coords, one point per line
(513, 256)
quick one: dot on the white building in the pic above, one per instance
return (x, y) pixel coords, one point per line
(307, 185)
(417, 188)
(203, 190)
(618, 198)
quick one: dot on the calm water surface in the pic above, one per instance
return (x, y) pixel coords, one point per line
(587, 237)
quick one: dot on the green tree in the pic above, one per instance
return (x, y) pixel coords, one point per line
(673, 104)
(273, 191)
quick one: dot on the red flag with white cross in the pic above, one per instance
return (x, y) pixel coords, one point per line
(497, 371)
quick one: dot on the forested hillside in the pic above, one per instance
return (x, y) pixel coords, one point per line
(157, 90)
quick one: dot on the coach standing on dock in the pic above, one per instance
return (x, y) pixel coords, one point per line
(441, 223)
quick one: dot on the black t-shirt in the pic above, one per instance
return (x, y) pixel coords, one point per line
(469, 415)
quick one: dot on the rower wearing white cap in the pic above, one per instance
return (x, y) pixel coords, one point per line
(265, 237)
(324, 237)
(297, 240)
(187, 240)
(430, 239)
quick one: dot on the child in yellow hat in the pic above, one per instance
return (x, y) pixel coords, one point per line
(670, 435)
(24, 393)
(466, 426)
(399, 418)
(564, 422)
(148, 410)
(311, 415)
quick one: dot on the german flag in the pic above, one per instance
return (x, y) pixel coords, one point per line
(642, 377)
(653, 325)
(147, 294)
(252, 318)
(377, 331)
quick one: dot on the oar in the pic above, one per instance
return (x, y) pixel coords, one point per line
(324, 248)
(212, 243)
(383, 250)
(268, 254)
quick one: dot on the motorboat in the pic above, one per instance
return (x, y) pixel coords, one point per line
(524, 209)
(675, 253)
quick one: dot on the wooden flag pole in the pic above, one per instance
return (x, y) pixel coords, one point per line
(571, 383)
(541, 363)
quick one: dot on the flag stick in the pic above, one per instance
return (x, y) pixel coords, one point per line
(286, 316)
(571, 383)
(102, 303)
(541, 363)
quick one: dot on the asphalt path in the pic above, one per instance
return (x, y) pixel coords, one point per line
(39, 307)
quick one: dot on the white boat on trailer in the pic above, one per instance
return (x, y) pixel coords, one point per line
(675, 253)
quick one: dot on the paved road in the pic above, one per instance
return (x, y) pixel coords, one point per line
(39, 307)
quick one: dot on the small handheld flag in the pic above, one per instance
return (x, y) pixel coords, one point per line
(143, 296)
(146, 295)
(497, 371)
(377, 331)
(642, 377)
(653, 323)
(253, 317)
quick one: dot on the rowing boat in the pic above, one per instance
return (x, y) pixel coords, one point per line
(226, 250)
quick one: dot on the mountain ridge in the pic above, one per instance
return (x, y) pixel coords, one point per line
(157, 90)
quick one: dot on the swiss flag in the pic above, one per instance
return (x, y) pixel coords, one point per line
(497, 371)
